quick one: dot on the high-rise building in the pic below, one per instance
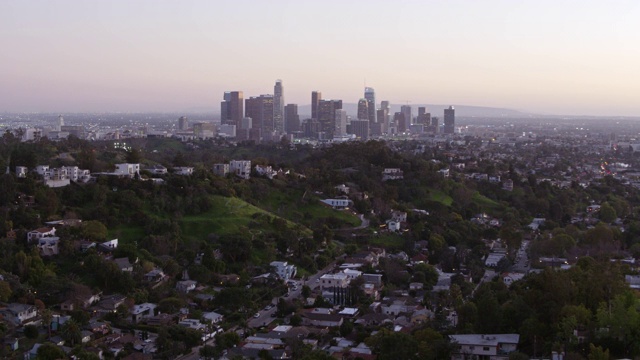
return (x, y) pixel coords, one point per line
(278, 107)
(424, 118)
(360, 128)
(341, 123)
(60, 123)
(316, 96)
(408, 114)
(400, 122)
(260, 110)
(231, 108)
(183, 123)
(449, 120)
(327, 117)
(291, 118)
(370, 95)
(435, 126)
(384, 105)
(363, 109)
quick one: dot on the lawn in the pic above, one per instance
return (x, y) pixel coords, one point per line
(439, 196)
(485, 203)
(299, 207)
(227, 216)
(388, 240)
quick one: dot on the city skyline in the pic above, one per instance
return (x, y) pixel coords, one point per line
(542, 57)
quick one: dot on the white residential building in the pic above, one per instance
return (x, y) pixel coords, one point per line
(21, 171)
(338, 203)
(37, 234)
(284, 270)
(126, 169)
(352, 274)
(183, 170)
(481, 346)
(240, 168)
(330, 280)
(220, 169)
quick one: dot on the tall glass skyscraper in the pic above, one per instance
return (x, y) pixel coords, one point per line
(278, 107)
(370, 96)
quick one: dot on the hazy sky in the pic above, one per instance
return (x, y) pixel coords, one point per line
(560, 57)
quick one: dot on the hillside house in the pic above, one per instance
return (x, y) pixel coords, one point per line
(37, 234)
(127, 170)
(284, 270)
(490, 347)
(183, 170)
(220, 169)
(338, 203)
(240, 168)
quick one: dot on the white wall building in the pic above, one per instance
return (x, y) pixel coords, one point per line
(241, 168)
(284, 270)
(490, 346)
(127, 169)
(331, 280)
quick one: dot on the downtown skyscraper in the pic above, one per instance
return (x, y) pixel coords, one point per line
(316, 96)
(370, 96)
(327, 117)
(278, 107)
(449, 120)
(231, 108)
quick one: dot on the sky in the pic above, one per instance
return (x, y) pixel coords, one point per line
(549, 57)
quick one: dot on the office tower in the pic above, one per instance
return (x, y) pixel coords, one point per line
(424, 117)
(400, 121)
(370, 95)
(231, 108)
(408, 114)
(310, 128)
(341, 123)
(278, 107)
(60, 123)
(449, 120)
(327, 117)
(260, 110)
(291, 118)
(434, 124)
(379, 128)
(384, 105)
(316, 96)
(363, 109)
(183, 123)
(246, 123)
(360, 128)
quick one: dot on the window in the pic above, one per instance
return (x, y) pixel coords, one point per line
(486, 348)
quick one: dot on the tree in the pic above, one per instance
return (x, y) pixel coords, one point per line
(71, 332)
(134, 156)
(306, 291)
(49, 351)
(388, 345)
(607, 213)
(31, 331)
(94, 230)
(516, 355)
(5, 291)
(227, 340)
(46, 316)
(346, 328)
(597, 353)
(209, 352)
